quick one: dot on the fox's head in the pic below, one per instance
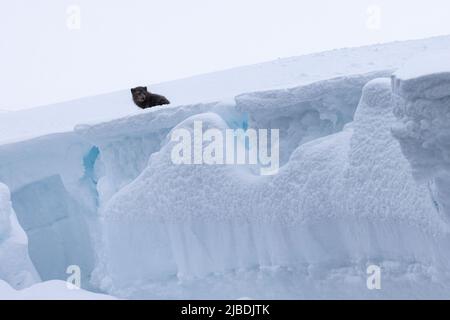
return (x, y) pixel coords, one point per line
(139, 94)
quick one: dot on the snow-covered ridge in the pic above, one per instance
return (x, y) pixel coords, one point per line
(302, 114)
(278, 74)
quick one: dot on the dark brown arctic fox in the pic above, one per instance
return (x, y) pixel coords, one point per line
(144, 99)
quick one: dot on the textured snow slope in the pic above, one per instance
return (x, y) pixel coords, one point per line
(15, 265)
(279, 74)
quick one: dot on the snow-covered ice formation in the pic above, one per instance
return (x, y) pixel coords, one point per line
(15, 265)
(307, 112)
(338, 205)
(364, 180)
(422, 104)
(301, 113)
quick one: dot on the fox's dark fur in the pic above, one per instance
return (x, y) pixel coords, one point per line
(145, 99)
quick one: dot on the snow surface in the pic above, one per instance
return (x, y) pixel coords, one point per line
(48, 290)
(364, 180)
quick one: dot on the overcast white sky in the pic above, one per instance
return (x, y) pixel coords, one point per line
(125, 43)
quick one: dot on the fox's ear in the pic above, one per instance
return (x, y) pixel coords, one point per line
(132, 90)
(145, 88)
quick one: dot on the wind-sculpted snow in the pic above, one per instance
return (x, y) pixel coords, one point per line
(126, 144)
(422, 106)
(15, 265)
(339, 204)
(301, 114)
(307, 112)
(364, 180)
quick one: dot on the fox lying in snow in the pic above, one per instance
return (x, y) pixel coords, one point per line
(145, 99)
